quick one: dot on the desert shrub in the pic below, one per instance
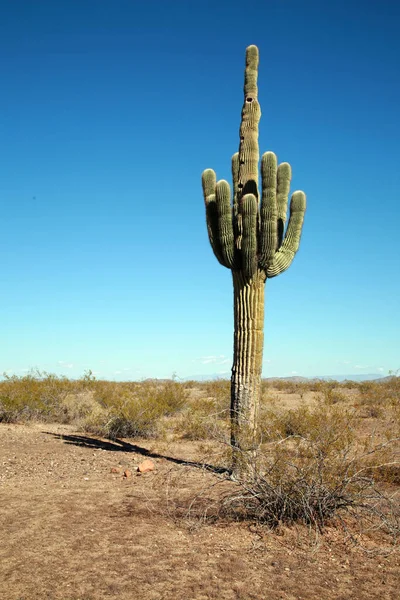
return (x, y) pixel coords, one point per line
(81, 408)
(207, 414)
(386, 391)
(267, 404)
(330, 426)
(301, 484)
(394, 430)
(302, 387)
(190, 384)
(105, 408)
(387, 473)
(133, 409)
(319, 385)
(290, 387)
(36, 395)
(197, 423)
(349, 384)
(266, 387)
(313, 468)
(331, 395)
(370, 394)
(220, 391)
(372, 410)
(203, 420)
(379, 398)
(268, 397)
(390, 390)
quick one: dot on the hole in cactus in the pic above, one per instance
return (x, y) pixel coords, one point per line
(242, 162)
(240, 185)
(250, 188)
(249, 99)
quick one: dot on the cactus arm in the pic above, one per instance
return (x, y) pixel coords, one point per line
(236, 197)
(249, 236)
(268, 210)
(219, 217)
(225, 227)
(235, 182)
(283, 258)
(208, 180)
(284, 176)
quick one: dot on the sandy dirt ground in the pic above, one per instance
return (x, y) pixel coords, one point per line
(71, 529)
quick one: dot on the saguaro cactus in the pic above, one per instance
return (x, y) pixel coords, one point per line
(248, 236)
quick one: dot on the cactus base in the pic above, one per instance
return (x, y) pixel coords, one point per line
(247, 362)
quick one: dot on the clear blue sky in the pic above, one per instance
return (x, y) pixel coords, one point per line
(109, 112)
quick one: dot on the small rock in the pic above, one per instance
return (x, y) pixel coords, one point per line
(115, 470)
(146, 466)
(127, 473)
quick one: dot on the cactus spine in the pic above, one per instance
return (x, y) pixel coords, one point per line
(249, 237)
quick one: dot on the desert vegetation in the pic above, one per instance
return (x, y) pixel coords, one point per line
(317, 497)
(325, 449)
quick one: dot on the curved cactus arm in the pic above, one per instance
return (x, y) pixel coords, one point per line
(283, 258)
(249, 239)
(225, 227)
(268, 211)
(283, 178)
(209, 180)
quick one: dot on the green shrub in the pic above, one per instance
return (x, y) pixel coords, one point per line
(33, 396)
(330, 426)
(105, 408)
(220, 391)
(203, 420)
(133, 409)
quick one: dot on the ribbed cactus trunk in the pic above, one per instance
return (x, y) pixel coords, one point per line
(247, 361)
(248, 236)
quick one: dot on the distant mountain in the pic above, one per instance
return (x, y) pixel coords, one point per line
(353, 377)
(210, 377)
(298, 378)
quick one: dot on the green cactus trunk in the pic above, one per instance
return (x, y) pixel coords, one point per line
(247, 362)
(248, 236)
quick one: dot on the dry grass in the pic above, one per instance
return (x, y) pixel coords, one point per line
(105, 408)
(328, 462)
(325, 447)
(72, 529)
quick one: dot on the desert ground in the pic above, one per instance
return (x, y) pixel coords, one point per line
(79, 522)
